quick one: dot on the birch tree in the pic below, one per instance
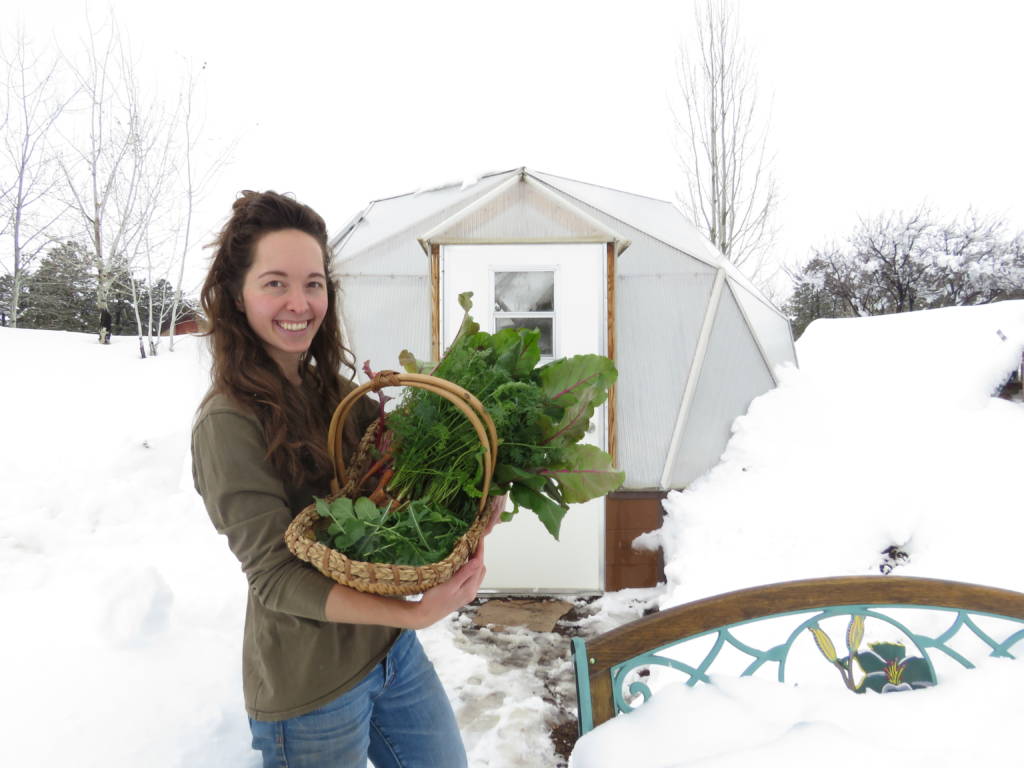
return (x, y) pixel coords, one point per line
(194, 180)
(119, 162)
(730, 191)
(28, 199)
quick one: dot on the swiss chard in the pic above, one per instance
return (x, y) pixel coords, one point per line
(540, 415)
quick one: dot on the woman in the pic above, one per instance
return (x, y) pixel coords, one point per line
(330, 675)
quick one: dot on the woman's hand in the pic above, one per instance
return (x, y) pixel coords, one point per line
(441, 600)
(350, 606)
(346, 605)
(497, 507)
(437, 602)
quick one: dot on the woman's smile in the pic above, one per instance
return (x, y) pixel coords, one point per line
(284, 295)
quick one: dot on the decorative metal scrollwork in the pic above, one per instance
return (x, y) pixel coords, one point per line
(884, 666)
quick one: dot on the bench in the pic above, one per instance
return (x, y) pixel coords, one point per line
(609, 668)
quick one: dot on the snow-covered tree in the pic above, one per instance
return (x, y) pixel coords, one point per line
(29, 204)
(904, 262)
(730, 191)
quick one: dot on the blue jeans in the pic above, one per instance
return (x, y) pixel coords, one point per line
(398, 715)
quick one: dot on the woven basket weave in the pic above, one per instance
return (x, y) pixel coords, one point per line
(386, 578)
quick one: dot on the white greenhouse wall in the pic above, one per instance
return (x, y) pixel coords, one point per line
(772, 329)
(382, 315)
(657, 325)
(733, 374)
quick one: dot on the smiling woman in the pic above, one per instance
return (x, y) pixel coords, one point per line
(329, 675)
(284, 296)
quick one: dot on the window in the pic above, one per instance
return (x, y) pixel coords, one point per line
(526, 300)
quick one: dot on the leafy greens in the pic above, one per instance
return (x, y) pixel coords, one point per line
(540, 414)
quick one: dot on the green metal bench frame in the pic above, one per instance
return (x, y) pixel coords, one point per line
(602, 664)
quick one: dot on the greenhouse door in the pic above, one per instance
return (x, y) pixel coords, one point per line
(559, 289)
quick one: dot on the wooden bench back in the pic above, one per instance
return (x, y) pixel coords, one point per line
(597, 660)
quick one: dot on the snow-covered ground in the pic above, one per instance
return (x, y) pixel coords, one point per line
(122, 608)
(888, 434)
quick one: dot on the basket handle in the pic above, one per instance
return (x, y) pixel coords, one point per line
(461, 398)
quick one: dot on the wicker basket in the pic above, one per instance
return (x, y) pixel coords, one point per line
(383, 578)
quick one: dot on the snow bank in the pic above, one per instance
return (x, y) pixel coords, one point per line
(123, 613)
(123, 609)
(887, 435)
(743, 722)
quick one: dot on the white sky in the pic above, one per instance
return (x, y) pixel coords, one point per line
(875, 105)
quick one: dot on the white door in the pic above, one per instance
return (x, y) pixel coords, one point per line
(560, 289)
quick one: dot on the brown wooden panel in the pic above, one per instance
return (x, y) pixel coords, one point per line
(640, 575)
(610, 352)
(626, 517)
(701, 616)
(435, 302)
(601, 701)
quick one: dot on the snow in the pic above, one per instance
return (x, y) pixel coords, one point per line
(743, 722)
(123, 609)
(888, 434)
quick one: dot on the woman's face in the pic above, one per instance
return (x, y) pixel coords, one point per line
(284, 295)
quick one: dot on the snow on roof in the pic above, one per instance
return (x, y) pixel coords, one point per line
(660, 219)
(389, 216)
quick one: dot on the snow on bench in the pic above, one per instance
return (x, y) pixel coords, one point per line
(864, 633)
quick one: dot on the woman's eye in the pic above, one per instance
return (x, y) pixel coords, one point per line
(274, 284)
(316, 284)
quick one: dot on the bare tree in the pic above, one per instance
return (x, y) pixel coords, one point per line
(193, 181)
(27, 196)
(122, 161)
(899, 262)
(730, 192)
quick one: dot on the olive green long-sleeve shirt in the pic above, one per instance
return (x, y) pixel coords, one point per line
(293, 661)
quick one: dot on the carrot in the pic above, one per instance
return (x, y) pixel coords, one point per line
(377, 466)
(378, 496)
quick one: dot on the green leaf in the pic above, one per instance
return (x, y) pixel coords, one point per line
(412, 365)
(352, 532)
(517, 350)
(870, 662)
(549, 513)
(889, 651)
(468, 326)
(578, 384)
(505, 474)
(322, 509)
(874, 682)
(553, 491)
(530, 355)
(366, 510)
(341, 508)
(917, 672)
(587, 473)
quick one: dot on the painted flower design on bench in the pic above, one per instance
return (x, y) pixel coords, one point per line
(886, 666)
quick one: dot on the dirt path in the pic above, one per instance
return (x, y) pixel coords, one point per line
(525, 679)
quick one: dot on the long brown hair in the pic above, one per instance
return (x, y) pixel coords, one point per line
(294, 419)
